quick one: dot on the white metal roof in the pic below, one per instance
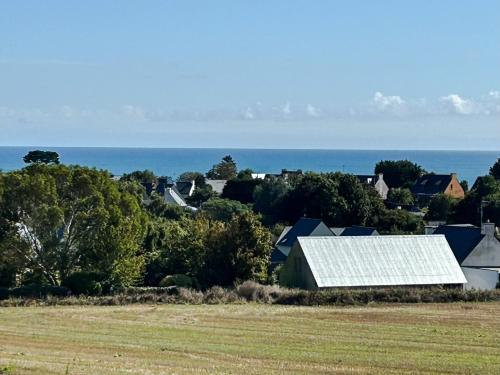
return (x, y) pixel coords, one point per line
(381, 260)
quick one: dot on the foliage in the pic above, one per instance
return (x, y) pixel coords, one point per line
(495, 170)
(397, 222)
(240, 189)
(88, 283)
(139, 176)
(158, 208)
(338, 199)
(400, 196)
(43, 157)
(269, 199)
(399, 173)
(201, 195)
(223, 209)
(440, 207)
(225, 170)
(64, 219)
(240, 250)
(465, 185)
(178, 280)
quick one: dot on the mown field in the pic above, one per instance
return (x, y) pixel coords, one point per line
(462, 338)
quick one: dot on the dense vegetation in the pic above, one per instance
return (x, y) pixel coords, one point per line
(76, 227)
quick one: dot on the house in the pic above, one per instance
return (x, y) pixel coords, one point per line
(217, 185)
(371, 261)
(258, 176)
(430, 185)
(169, 192)
(355, 231)
(186, 188)
(477, 250)
(377, 181)
(303, 227)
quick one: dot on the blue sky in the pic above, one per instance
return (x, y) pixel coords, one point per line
(273, 74)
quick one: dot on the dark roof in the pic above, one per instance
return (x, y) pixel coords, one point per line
(184, 187)
(462, 239)
(358, 231)
(431, 184)
(277, 256)
(302, 228)
(367, 179)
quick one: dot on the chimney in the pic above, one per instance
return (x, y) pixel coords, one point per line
(488, 229)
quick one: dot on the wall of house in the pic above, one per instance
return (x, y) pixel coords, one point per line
(293, 276)
(480, 279)
(486, 254)
(382, 188)
(454, 189)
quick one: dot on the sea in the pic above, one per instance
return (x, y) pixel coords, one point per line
(173, 161)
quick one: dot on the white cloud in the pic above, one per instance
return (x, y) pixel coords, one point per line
(313, 111)
(383, 102)
(133, 111)
(460, 105)
(495, 94)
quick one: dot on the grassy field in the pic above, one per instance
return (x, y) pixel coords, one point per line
(251, 339)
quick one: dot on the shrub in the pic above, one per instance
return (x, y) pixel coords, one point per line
(179, 280)
(84, 283)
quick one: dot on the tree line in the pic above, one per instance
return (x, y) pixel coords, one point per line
(77, 227)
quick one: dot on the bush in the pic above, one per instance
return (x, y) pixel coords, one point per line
(179, 280)
(87, 283)
(34, 291)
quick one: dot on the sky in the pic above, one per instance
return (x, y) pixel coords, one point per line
(372, 74)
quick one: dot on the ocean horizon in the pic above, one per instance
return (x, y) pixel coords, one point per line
(173, 161)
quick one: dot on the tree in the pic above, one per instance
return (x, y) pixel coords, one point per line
(441, 207)
(225, 170)
(223, 209)
(240, 189)
(338, 199)
(397, 222)
(201, 195)
(238, 251)
(268, 199)
(139, 176)
(399, 173)
(495, 170)
(44, 157)
(400, 196)
(71, 219)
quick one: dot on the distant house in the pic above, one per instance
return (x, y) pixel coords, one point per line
(371, 261)
(288, 173)
(185, 188)
(430, 185)
(355, 231)
(377, 181)
(258, 176)
(477, 250)
(169, 192)
(303, 227)
(217, 185)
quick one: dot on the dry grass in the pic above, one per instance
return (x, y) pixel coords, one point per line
(251, 339)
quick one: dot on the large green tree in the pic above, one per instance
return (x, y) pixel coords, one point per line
(44, 157)
(72, 219)
(399, 173)
(495, 170)
(225, 170)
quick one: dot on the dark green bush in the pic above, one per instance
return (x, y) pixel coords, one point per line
(179, 280)
(38, 291)
(88, 283)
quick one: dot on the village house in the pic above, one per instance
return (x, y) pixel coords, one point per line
(477, 250)
(303, 227)
(377, 181)
(185, 188)
(430, 185)
(371, 261)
